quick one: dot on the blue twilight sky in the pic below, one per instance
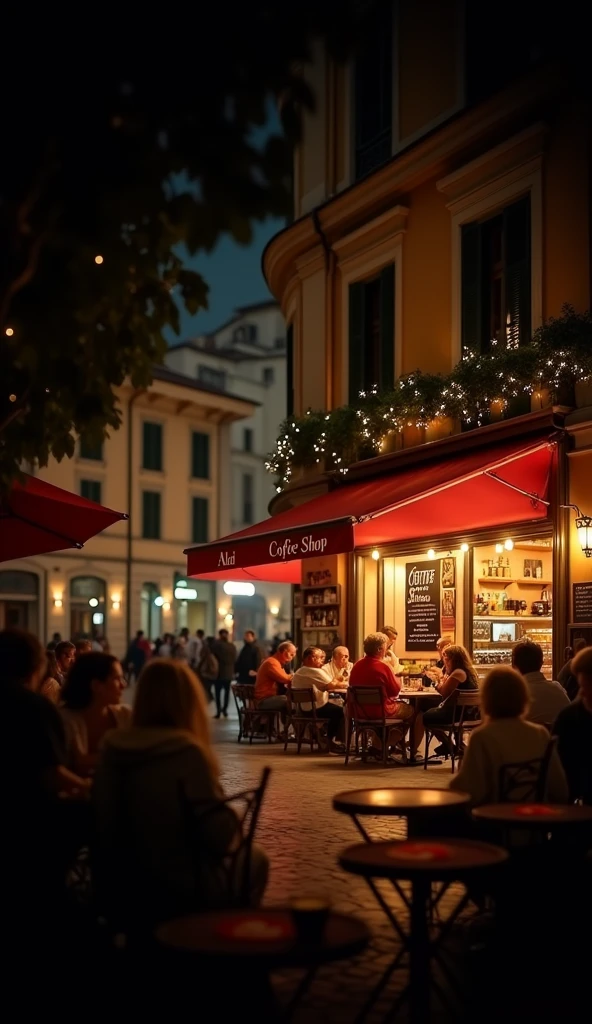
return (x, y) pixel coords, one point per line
(232, 271)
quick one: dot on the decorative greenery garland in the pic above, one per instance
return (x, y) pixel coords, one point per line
(558, 357)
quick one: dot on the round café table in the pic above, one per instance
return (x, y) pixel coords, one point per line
(535, 816)
(420, 862)
(416, 805)
(263, 940)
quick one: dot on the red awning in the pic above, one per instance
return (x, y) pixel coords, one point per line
(506, 484)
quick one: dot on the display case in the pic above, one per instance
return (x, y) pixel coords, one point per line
(512, 601)
(321, 615)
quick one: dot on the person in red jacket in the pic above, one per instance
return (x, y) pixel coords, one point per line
(373, 670)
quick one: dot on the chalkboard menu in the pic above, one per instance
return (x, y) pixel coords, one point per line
(422, 605)
(582, 602)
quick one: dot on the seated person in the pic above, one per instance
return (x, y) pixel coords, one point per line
(158, 799)
(91, 707)
(374, 671)
(311, 675)
(505, 738)
(271, 676)
(339, 667)
(458, 674)
(566, 677)
(441, 644)
(390, 657)
(573, 728)
(547, 697)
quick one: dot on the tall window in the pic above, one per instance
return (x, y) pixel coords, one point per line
(372, 333)
(91, 450)
(268, 375)
(373, 94)
(247, 439)
(152, 446)
(91, 490)
(200, 455)
(496, 280)
(150, 613)
(151, 515)
(248, 513)
(199, 520)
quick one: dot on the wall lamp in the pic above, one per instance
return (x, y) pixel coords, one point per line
(584, 529)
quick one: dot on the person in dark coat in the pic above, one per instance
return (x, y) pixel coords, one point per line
(225, 653)
(249, 659)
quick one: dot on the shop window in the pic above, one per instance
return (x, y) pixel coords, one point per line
(12, 582)
(247, 439)
(91, 490)
(373, 94)
(92, 450)
(152, 446)
(372, 333)
(150, 613)
(87, 606)
(247, 498)
(200, 455)
(512, 600)
(151, 502)
(200, 511)
(290, 370)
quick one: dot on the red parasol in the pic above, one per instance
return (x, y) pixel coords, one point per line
(36, 517)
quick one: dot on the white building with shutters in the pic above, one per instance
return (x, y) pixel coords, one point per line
(248, 357)
(168, 467)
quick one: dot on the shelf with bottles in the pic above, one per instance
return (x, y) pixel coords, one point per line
(321, 596)
(525, 581)
(320, 617)
(518, 617)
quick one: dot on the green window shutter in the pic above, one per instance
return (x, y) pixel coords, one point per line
(387, 328)
(199, 527)
(200, 456)
(152, 446)
(356, 338)
(151, 515)
(517, 272)
(471, 294)
(91, 490)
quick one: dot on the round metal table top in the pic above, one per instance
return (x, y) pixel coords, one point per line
(539, 815)
(438, 859)
(267, 934)
(398, 800)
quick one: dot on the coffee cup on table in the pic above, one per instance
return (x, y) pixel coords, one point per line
(309, 914)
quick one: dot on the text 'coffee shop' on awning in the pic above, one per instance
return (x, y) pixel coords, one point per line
(456, 538)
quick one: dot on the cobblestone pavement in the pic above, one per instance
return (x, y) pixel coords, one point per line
(303, 837)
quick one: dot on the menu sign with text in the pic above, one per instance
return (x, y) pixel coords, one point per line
(422, 605)
(582, 602)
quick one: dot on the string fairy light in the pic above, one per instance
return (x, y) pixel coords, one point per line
(481, 385)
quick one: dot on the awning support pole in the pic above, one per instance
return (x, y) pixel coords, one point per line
(527, 494)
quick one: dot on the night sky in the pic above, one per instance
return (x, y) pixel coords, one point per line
(232, 271)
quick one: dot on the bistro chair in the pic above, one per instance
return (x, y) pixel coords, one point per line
(253, 722)
(469, 703)
(449, 730)
(361, 722)
(304, 723)
(525, 781)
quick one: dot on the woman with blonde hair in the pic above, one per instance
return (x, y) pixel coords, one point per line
(160, 811)
(458, 674)
(506, 738)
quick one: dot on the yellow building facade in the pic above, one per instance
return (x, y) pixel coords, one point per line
(168, 468)
(442, 203)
